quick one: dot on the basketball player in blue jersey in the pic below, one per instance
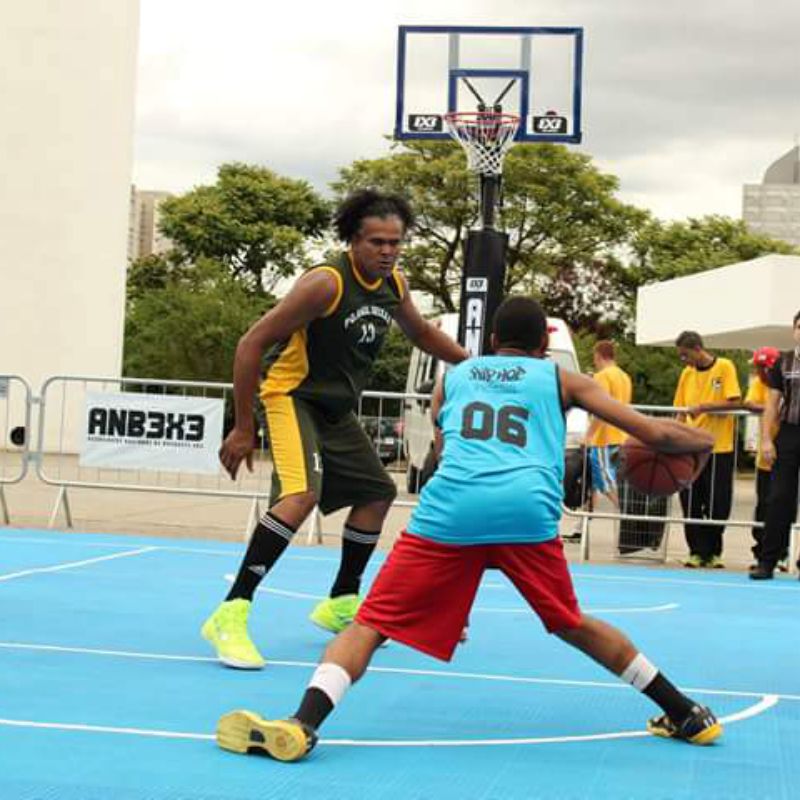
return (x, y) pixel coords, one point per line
(495, 500)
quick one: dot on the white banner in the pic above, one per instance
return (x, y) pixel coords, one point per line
(152, 431)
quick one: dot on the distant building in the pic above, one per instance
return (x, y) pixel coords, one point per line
(68, 81)
(773, 207)
(144, 238)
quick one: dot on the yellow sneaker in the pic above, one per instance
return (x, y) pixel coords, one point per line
(247, 733)
(334, 614)
(226, 631)
(700, 727)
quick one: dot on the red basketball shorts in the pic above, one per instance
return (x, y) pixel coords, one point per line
(423, 594)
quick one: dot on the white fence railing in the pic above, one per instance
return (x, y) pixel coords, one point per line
(15, 421)
(397, 424)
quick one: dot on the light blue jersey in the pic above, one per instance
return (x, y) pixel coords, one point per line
(502, 467)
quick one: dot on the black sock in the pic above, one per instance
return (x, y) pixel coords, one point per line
(314, 707)
(676, 705)
(357, 547)
(270, 538)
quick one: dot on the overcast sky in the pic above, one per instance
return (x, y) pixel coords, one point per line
(684, 101)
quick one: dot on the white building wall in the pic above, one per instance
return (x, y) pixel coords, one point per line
(773, 209)
(67, 79)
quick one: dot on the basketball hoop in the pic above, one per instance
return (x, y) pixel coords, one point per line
(485, 136)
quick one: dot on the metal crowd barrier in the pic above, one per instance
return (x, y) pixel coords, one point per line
(15, 419)
(392, 420)
(62, 404)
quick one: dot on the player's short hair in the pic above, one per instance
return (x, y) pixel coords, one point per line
(796, 317)
(689, 339)
(605, 349)
(370, 203)
(519, 322)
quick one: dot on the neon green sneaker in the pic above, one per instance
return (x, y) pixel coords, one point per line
(247, 733)
(694, 562)
(226, 631)
(334, 614)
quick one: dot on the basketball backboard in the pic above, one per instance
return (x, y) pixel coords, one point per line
(532, 72)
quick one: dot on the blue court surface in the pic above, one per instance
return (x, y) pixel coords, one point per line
(108, 691)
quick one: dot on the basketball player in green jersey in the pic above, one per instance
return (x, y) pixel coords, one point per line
(321, 341)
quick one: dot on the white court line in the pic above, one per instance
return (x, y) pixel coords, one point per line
(766, 702)
(434, 673)
(170, 548)
(751, 586)
(521, 610)
(73, 564)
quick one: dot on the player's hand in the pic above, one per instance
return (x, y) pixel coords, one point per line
(237, 447)
(695, 411)
(768, 452)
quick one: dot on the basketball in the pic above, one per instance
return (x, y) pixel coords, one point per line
(658, 474)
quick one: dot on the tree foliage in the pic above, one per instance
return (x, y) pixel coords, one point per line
(559, 210)
(253, 221)
(183, 323)
(665, 250)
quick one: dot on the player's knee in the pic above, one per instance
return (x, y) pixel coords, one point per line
(299, 505)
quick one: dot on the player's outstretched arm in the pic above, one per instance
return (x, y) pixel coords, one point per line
(311, 297)
(424, 334)
(665, 435)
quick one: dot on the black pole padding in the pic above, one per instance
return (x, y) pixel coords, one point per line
(482, 284)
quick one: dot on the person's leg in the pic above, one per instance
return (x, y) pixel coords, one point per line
(763, 480)
(421, 597)
(683, 717)
(354, 476)
(296, 484)
(782, 501)
(693, 503)
(345, 660)
(540, 573)
(720, 505)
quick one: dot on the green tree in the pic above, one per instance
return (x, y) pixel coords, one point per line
(664, 250)
(183, 323)
(251, 220)
(559, 210)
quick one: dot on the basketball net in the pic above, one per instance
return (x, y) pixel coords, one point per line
(486, 137)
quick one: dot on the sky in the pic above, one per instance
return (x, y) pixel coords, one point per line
(684, 101)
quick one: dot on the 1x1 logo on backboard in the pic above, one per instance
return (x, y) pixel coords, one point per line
(425, 123)
(550, 124)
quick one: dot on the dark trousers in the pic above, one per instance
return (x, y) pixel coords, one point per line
(763, 485)
(782, 504)
(709, 497)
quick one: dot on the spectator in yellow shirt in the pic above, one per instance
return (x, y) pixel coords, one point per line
(602, 439)
(707, 384)
(756, 400)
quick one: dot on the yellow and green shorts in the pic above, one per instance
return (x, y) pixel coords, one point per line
(331, 457)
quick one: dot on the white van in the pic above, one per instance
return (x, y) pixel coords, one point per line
(424, 369)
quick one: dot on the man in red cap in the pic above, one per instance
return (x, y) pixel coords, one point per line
(756, 400)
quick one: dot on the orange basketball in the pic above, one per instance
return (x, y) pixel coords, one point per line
(658, 474)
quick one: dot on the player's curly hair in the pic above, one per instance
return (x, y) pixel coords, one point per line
(370, 203)
(520, 322)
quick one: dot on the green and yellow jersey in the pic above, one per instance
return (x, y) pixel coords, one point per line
(329, 361)
(716, 383)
